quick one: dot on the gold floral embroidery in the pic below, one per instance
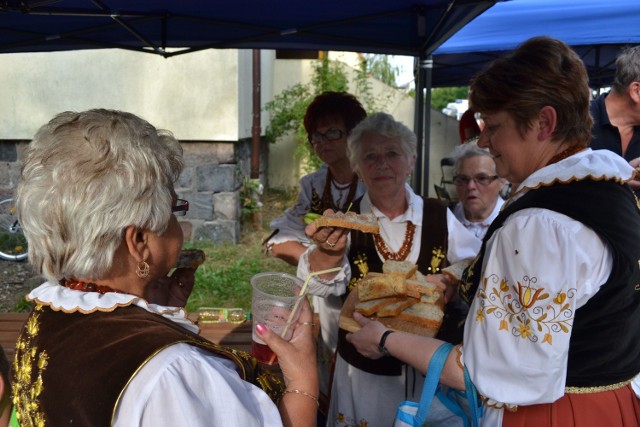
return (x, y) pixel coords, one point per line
(29, 364)
(436, 260)
(525, 316)
(345, 421)
(467, 280)
(363, 268)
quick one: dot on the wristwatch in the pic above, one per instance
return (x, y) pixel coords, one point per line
(381, 348)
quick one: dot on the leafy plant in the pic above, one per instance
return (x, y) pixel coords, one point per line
(250, 196)
(288, 107)
(441, 96)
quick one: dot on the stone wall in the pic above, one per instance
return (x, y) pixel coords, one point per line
(211, 182)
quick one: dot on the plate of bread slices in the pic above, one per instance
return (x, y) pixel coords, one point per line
(400, 297)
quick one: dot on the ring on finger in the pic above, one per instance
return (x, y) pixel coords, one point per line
(331, 244)
(308, 323)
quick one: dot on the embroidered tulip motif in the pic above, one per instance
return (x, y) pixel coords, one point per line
(527, 296)
(525, 311)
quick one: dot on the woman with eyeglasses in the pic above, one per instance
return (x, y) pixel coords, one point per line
(382, 151)
(478, 188)
(328, 121)
(551, 338)
(108, 342)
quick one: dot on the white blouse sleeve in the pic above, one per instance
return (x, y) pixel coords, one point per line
(323, 288)
(538, 269)
(291, 224)
(187, 386)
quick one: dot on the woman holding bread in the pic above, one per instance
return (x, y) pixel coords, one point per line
(108, 342)
(328, 121)
(382, 151)
(551, 338)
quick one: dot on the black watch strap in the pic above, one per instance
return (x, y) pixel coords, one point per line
(381, 348)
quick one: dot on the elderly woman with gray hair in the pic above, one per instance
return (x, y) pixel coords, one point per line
(382, 151)
(478, 187)
(108, 342)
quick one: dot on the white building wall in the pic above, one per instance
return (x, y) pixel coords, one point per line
(193, 95)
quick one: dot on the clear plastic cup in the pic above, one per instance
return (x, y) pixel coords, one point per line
(275, 296)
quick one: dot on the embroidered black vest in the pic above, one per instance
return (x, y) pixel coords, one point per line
(363, 258)
(71, 368)
(604, 347)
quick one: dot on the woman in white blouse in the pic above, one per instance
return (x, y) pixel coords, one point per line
(382, 151)
(108, 342)
(551, 336)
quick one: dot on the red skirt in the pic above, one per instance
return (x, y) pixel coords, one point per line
(615, 408)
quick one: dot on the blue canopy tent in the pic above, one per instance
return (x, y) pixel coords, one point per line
(399, 27)
(596, 29)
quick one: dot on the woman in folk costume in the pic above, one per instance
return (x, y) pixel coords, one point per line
(551, 338)
(423, 231)
(108, 342)
(328, 121)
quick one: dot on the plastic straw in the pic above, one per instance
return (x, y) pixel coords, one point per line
(303, 290)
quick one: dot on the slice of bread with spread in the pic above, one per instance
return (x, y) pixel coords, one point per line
(367, 223)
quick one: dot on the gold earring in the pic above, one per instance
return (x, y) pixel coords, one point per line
(142, 270)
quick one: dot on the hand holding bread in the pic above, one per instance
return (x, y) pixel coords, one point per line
(401, 296)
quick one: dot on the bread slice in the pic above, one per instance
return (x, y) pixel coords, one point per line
(456, 270)
(367, 223)
(396, 308)
(368, 308)
(190, 258)
(417, 288)
(423, 314)
(406, 269)
(381, 286)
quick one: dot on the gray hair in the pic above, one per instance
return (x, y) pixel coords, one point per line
(466, 151)
(86, 177)
(383, 124)
(627, 69)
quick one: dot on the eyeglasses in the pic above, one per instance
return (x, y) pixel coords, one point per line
(483, 180)
(332, 134)
(181, 207)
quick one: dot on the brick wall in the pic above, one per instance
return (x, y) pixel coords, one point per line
(211, 181)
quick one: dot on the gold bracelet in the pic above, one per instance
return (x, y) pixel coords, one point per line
(304, 393)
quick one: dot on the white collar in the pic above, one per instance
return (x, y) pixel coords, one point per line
(59, 298)
(597, 165)
(413, 213)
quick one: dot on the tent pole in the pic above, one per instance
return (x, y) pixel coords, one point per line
(255, 125)
(426, 152)
(417, 126)
(422, 125)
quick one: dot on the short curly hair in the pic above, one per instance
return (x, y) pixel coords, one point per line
(341, 105)
(540, 72)
(86, 177)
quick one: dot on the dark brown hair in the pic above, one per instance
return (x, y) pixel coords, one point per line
(540, 72)
(340, 105)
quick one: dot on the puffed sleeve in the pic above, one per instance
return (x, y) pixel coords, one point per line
(291, 225)
(320, 287)
(187, 386)
(539, 267)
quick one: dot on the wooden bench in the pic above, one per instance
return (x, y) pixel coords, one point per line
(233, 335)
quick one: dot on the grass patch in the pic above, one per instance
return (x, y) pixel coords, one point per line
(224, 280)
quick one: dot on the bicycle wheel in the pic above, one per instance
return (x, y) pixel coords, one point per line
(13, 244)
